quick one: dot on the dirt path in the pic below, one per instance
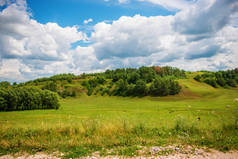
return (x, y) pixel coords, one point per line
(179, 153)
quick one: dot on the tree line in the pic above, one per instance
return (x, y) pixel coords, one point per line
(68, 77)
(224, 79)
(154, 81)
(158, 87)
(147, 74)
(23, 98)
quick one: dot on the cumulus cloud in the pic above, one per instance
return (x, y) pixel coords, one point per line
(205, 18)
(131, 37)
(167, 40)
(201, 36)
(31, 43)
(88, 21)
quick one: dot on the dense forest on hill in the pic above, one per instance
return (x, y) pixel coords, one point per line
(43, 93)
(224, 79)
(154, 81)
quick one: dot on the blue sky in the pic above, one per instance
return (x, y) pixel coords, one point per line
(47, 37)
(74, 12)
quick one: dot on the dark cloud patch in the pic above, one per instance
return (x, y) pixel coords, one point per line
(202, 22)
(129, 49)
(205, 52)
(191, 38)
(221, 66)
(171, 57)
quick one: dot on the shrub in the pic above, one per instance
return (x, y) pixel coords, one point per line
(52, 86)
(221, 82)
(140, 88)
(5, 84)
(27, 99)
(211, 82)
(198, 78)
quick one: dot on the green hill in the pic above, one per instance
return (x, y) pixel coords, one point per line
(198, 115)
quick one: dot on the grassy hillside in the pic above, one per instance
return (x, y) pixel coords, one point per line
(199, 115)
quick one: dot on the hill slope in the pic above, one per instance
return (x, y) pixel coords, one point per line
(200, 115)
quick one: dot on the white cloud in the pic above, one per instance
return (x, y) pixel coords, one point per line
(10, 70)
(205, 18)
(172, 4)
(34, 45)
(88, 21)
(123, 1)
(131, 36)
(29, 49)
(119, 1)
(139, 40)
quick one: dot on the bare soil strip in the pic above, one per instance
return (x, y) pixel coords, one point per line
(170, 152)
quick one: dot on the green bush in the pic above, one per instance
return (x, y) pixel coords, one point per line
(27, 99)
(52, 86)
(5, 84)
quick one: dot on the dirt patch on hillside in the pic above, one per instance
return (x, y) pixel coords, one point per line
(186, 92)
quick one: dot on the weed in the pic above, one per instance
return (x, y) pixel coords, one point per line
(128, 151)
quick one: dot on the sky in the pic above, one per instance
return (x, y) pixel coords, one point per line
(47, 37)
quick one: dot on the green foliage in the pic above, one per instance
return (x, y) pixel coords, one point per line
(146, 73)
(118, 82)
(211, 82)
(85, 83)
(164, 86)
(140, 88)
(231, 82)
(121, 88)
(198, 78)
(60, 77)
(73, 94)
(27, 99)
(159, 87)
(52, 86)
(221, 81)
(5, 84)
(133, 82)
(175, 88)
(221, 78)
(133, 77)
(92, 83)
(169, 71)
(90, 91)
(3, 103)
(66, 92)
(96, 81)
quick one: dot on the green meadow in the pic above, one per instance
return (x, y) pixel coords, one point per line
(199, 115)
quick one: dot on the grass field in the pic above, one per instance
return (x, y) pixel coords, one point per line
(200, 115)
